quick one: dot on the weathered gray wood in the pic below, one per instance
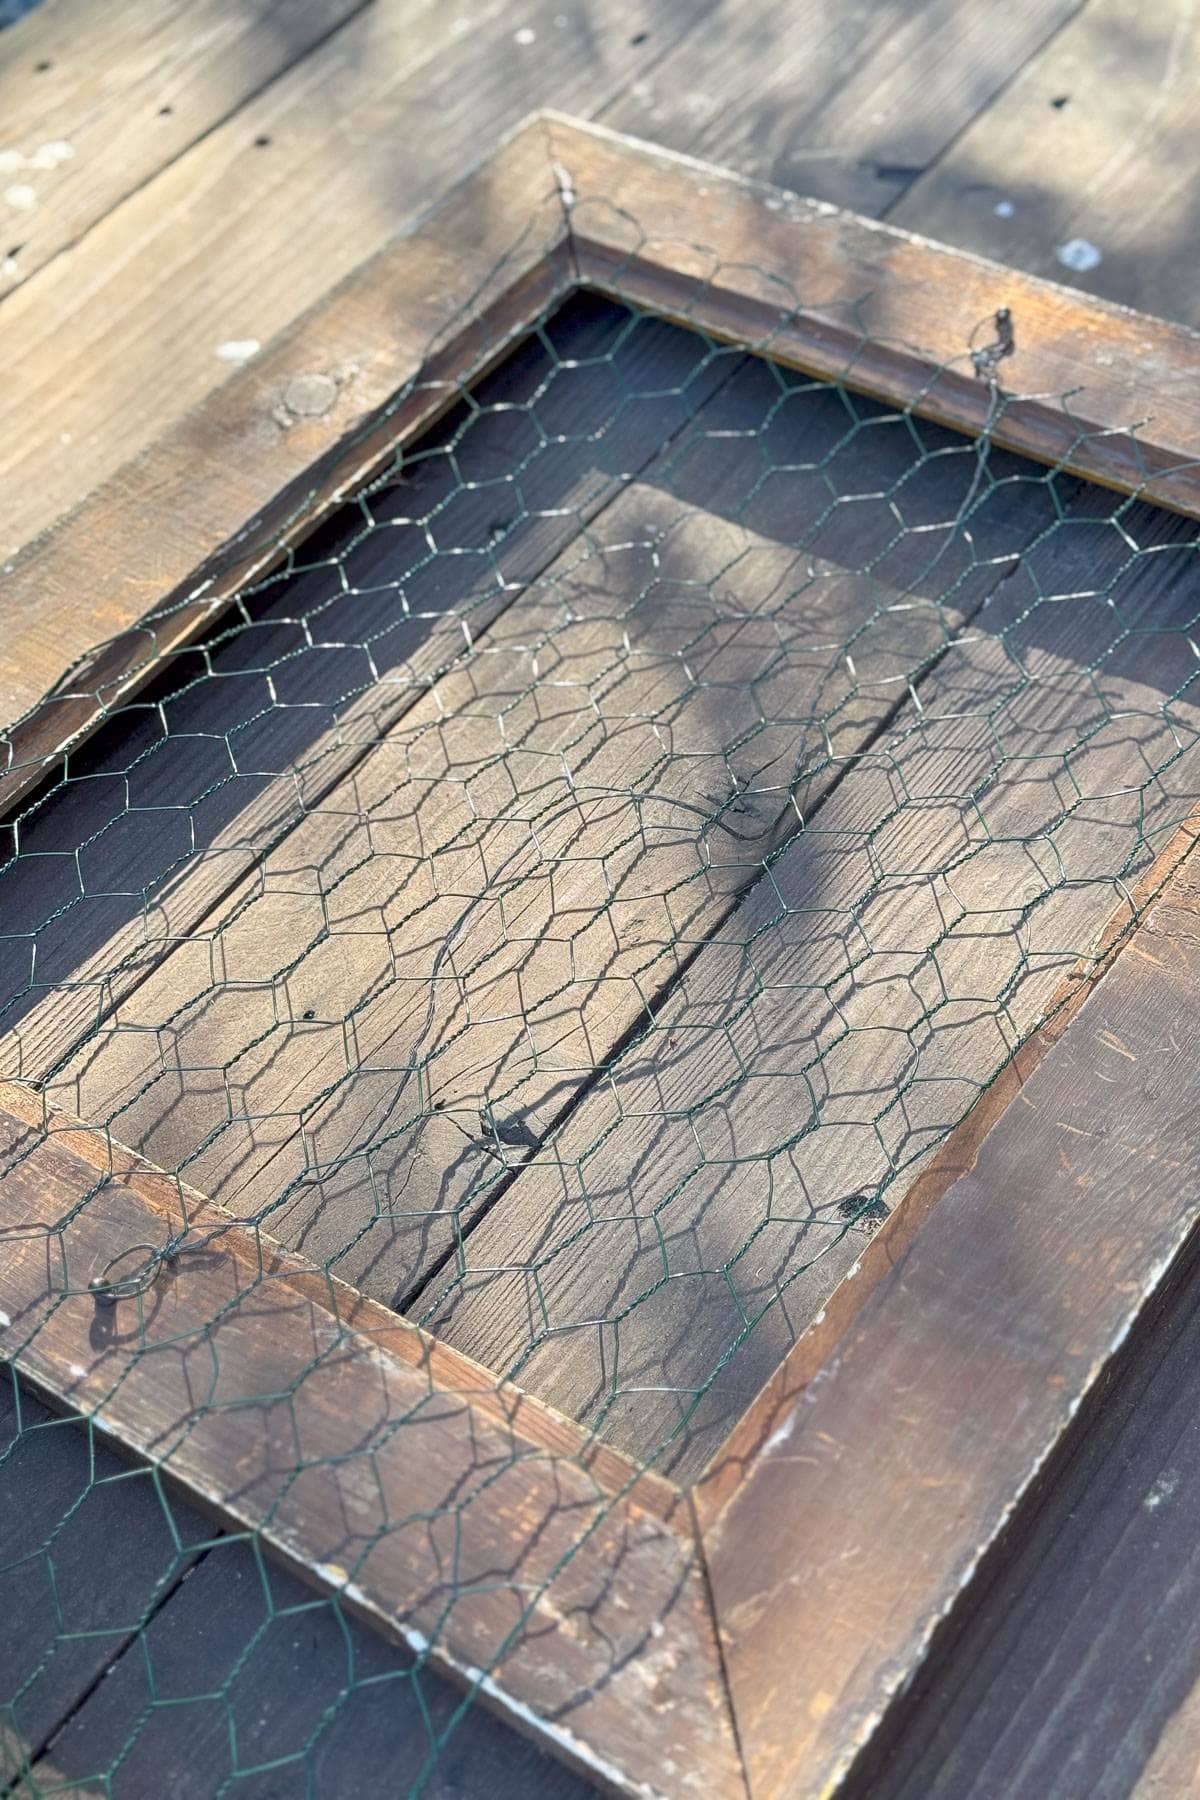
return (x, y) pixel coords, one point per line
(233, 241)
(1075, 1673)
(855, 1005)
(570, 813)
(278, 1677)
(188, 786)
(849, 103)
(96, 99)
(67, 1503)
(1082, 169)
(70, 1599)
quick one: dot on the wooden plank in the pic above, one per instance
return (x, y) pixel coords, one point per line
(365, 134)
(847, 103)
(66, 1501)
(686, 1220)
(169, 540)
(186, 792)
(315, 1051)
(283, 1689)
(1024, 1282)
(892, 315)
(1075, 1671)
(422, 1478)
(1080, 169)
(97, 99)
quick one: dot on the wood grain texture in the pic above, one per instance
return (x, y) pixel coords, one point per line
(97, 99)
(188, 788)
(1091, 146)
(892, 315)
(571, 841)
(1022, 1285)
(160, 549)
(847, 103)
(237, 1349)
(1075, 1668)
(172, 1616)
(232, 242)
(684, 1224)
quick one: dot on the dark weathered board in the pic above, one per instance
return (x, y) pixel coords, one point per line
(848, 103)
(317, 1691)
(861, 998)
(878, 1490)
(1076, 1672)
(422, 1477)
(606, 865)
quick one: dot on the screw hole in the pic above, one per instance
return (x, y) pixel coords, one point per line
(40, 68)
(262, 140)
(164, 112)
(1059, 101)
(639, 37)
(310, 1012)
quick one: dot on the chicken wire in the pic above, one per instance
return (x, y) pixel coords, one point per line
(569, 898)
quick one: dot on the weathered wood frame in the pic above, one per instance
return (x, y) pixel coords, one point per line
(735, 1658)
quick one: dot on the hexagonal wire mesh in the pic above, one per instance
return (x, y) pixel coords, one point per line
(568, 898)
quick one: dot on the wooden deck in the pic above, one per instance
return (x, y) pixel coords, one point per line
(191, 177)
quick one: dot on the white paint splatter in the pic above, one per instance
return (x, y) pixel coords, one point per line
(527, 35)
(460, 28)
(48, 156)
(78, 1372)
(8, 266)
(566, 187)
(1162, 1490)
(4, 1320)
(1078, 254)
(238, 350)
(1004, 209)
(782, 1435)
(21, 195)
(11, 161)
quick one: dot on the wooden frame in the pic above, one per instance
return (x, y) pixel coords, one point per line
(662, 1640)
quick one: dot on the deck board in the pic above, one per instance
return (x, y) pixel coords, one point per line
(1093, 146)
(275, 1675)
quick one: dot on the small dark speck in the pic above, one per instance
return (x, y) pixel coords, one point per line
(639, 37)
(39, 68)
(262, 140)
(1059, 101)
(14, 250)
(310, 1012)
(164, 112)
(864, 1209)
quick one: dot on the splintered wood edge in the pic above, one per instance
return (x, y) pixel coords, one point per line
(626, 1536)
(857, 1527)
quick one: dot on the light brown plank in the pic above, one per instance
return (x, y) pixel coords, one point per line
(237, 1348)
(1090, 147)
(886, 1483)
(95, 100)
(892, 315)
(856, 1005)
(232, 242)
(160, 549)
(378, 1027)
(848, 103)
